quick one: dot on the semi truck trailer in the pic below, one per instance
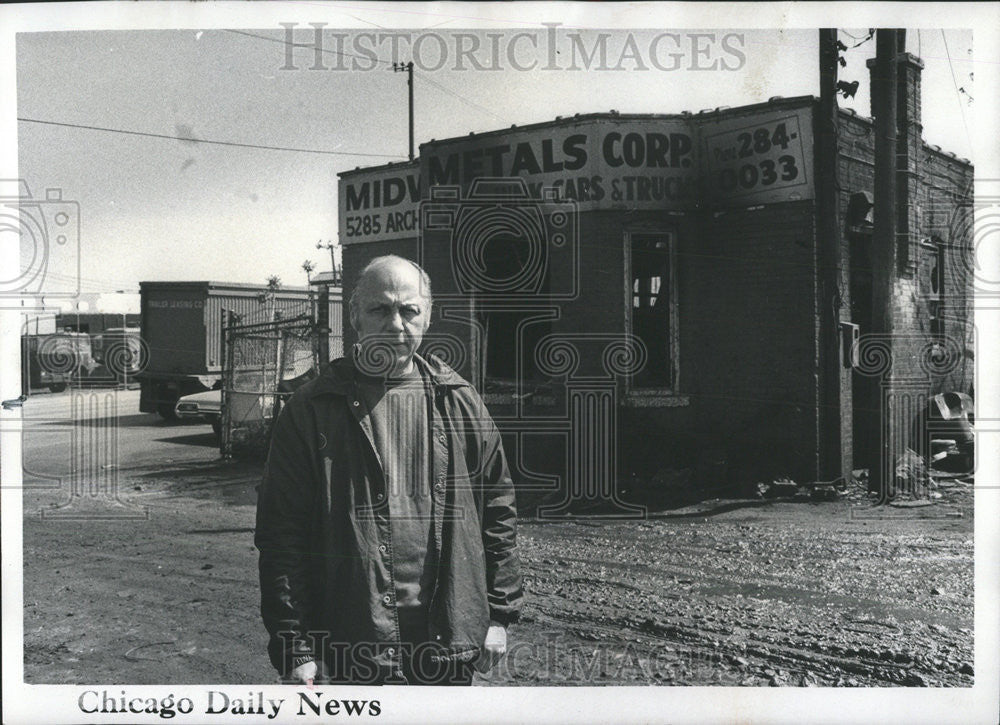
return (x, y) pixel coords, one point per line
(182, 331)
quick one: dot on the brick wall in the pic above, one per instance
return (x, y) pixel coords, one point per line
(748, 385)
(945, 212)
(941, 207)
(749, 360)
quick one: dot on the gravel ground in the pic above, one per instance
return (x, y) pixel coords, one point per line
(782, 592)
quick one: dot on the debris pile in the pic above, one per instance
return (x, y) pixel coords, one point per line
(816, 491)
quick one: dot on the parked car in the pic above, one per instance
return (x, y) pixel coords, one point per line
(246, 402)
(207, 405)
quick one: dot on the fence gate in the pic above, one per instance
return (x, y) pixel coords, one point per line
(264, 364)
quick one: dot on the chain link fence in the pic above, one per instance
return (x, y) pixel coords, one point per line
(264, 365)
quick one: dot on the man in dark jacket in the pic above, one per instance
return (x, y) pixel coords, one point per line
(386, 521)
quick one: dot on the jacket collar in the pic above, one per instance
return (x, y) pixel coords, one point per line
(338, 377)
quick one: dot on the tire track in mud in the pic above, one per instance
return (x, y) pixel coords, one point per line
(778, 596)
(833, 610)
(755, 650)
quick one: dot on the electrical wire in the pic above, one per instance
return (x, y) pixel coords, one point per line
(208, 141)
(467, 102)
(424, 77)
(958, 95)
(109, 284)
(861, 41)
(368, 58)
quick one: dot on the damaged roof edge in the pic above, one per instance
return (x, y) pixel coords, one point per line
(927, 147)
(792, 102)
(721, 112)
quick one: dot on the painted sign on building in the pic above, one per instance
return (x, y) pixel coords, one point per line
(599, 163)
(379, 204)
(724, 158)
(758, 158)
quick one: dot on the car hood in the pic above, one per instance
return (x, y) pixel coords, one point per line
(210, 400)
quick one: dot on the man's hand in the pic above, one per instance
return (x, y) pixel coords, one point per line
(304, 673)
(494, 648)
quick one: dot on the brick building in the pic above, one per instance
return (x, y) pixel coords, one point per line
(635, 293)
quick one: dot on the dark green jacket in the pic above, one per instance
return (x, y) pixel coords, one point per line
(324, 536)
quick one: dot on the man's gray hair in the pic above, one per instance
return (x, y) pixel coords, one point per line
(384, 261)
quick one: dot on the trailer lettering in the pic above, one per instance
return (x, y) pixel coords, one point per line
(177, 304)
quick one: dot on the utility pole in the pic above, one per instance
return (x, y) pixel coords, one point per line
(323, 305)
(331, 245)
(883, 252)
(833, 426)
(408, 67)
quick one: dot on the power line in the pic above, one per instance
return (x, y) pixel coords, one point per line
(64, 276)
(861, 41)
(958, 95)
(368, 58)
(306, 46)
(64, 281)
(204, 140)
(467, 102)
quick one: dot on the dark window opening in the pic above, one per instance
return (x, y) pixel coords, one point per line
(652, 307)
(512, 338)
(512, 265)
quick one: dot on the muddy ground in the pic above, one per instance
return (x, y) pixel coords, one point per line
(742, 592)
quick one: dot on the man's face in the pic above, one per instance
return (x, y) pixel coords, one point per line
(391, 312)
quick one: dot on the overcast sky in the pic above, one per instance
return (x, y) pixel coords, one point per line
(161, 208)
